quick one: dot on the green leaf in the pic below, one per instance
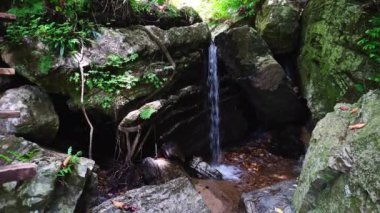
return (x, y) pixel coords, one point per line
(147, 112)
(69, 150)
(359, 87)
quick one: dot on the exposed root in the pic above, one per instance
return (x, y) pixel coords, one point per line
(83, 80)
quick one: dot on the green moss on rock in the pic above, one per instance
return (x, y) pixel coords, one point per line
(341, 172)
(330, 61)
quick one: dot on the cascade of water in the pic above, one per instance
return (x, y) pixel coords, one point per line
(214, 102)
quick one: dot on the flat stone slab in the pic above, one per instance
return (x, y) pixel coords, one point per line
(178, 195)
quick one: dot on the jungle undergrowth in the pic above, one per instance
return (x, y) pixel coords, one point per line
(370, 43)
(54, 24)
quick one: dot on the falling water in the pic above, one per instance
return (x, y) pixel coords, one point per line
(229, 172)
(214, 101)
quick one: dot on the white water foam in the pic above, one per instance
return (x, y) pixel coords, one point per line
(229, 172)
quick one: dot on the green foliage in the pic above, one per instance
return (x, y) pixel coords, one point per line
(116, 76)
(370, 44)
(147, 112)
(371, 41)
(5, 158)
(63, 36)
(24, 157)
(152, 78)
(20, 157)
(150, 7)
(45, 63)
(225, 9)
(74, 159)
(103, 78)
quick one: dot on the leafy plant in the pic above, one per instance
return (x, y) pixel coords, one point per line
(370, 43)
(63, 36)
(147, 112)
(24, 157)
(224, 9)
(152, 78)
(6, 159)
(67, 165)
(20, 157)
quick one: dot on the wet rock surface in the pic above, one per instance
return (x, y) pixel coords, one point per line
(178, 195)
(272, 199)
(204, 170)
(219, 196)
(46, 191)
(259, 168)
(38, 120)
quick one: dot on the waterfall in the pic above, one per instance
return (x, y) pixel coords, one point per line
(213, 95)
(229, 172)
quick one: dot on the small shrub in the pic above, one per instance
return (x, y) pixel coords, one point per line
(65, 170)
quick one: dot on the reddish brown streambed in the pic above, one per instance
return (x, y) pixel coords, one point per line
(259, 168)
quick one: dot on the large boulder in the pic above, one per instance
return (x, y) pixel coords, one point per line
(46, 192)
(249, 62)
(178, 195)
(56, 74)
(341, 171)
(330, 61)
(38, 120)
(278, 23)
(182, 122)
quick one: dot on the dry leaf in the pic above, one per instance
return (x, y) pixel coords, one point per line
(344, 108)
(118, 204)
(357, 126)
(278, 210)
(65, 163)
(354, 110)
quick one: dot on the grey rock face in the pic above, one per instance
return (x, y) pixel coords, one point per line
(183, 43)
(250, 63)
(342, 166)
(268, 199)
(204, 170)
(38, 120)
(161, 170)
(45, 192)
(176, 196)
(278, 23)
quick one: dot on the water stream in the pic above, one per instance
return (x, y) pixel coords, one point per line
(213, 95)
(229, 172)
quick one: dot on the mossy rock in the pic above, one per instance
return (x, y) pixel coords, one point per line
(35, 61)
(331, 63)
(278, 23)
(341, 171)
